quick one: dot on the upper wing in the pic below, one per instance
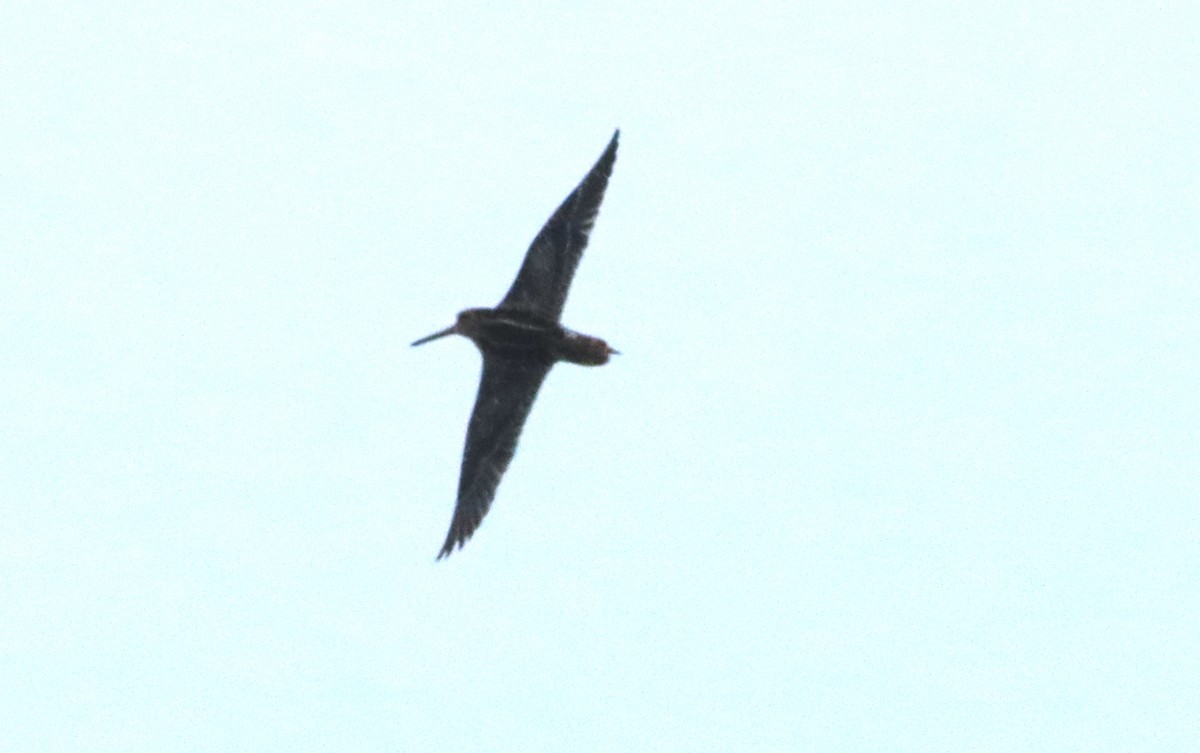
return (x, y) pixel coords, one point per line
(550, 263)
(506, 392)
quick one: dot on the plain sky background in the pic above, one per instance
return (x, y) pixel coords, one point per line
(901, 453)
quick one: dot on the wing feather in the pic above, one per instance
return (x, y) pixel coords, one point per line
(507, 389)
(545, 276)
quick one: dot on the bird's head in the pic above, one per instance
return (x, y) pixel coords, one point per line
(463, 325)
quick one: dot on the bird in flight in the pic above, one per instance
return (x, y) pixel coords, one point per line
(520, 340)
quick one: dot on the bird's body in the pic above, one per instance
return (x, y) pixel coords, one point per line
(520, 340)
(516, 334)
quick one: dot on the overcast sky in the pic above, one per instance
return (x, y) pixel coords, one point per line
(901, 452)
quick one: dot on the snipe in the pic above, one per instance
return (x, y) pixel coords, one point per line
(520, 340)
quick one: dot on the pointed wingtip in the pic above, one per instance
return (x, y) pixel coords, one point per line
(454, 540)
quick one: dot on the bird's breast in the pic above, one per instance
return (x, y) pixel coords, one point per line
(517, 335)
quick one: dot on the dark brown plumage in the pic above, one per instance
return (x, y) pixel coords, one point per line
(520, 340)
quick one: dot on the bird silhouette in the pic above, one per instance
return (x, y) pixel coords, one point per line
(520, 340)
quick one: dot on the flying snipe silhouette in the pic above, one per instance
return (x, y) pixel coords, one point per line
(520, 340)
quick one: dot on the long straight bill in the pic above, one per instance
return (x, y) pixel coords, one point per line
(434, 336)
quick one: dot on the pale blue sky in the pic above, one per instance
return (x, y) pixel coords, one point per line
(900, 455)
